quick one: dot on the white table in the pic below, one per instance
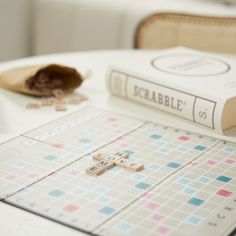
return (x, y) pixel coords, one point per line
(16, 119)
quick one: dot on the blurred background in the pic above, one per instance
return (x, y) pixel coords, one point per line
(34, 27)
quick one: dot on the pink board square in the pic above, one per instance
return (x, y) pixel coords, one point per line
(184, 138)
(157, 217)
(70, 208)
(58, 145)
(211, 162)
(147, 195)
(124, 145)
(74, 172)
(112, 119)
(152, 206)
(230, 161)
(223, 193)
(162, 230)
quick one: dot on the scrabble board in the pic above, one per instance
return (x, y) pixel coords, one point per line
(187, 185)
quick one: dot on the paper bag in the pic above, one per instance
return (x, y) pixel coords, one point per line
(41, 80)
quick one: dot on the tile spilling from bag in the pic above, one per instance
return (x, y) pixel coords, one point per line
(58, 101)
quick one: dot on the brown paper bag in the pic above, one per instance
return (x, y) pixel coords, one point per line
(41, 80)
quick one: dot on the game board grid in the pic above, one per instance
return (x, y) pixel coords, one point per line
(158, 192)
(38, 165)
(120, 174)
(82, 215)
(82, 139)
(125, 196)
(23, 169)
(222, 223)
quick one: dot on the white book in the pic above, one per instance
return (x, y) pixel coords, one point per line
(197, 86)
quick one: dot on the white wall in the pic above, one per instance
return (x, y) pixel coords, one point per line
(15, 23)
(75, 25)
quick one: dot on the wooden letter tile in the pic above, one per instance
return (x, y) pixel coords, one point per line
(121, 162)
(100, 156)
(106, 164)
(134, 166)
(95, 170)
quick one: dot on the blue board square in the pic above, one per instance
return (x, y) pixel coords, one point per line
(174, 165)
(155, 136)
(56, 193)
(100, 189)
(183, 181)
(182, 149)
(142, 185)
(195, 201)
(79, 190)
(84, 140)
(229, 149)
(123, 226)
(50, 157)
(194, 220)
(20, 163)
(107, 210)
(200, 148)
(138, 176)
(204, 179)
(164, 150)
(190, 191)
(160, 143)
(153, 166)
(223, 178)
(104, 200)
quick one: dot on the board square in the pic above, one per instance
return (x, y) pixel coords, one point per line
(56, 193)
(184, 138)
(107, 210)
(50, 157)
(142, 185)
(223, 178)
(173, 165)
(195, 220)
(162, 229)
(124, 227)
(155, 136)
(200, 148)
(224, 193)
(70, 208)
(195, 201)
(157, 217)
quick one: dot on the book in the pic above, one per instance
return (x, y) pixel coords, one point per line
(194, 85)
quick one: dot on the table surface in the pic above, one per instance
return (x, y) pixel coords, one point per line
(16, 119)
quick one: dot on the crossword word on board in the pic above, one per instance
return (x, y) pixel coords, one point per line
(107, 161)
(182, 183)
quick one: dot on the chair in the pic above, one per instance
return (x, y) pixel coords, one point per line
(163, 30)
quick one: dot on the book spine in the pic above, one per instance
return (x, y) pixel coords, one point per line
(192, 107)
